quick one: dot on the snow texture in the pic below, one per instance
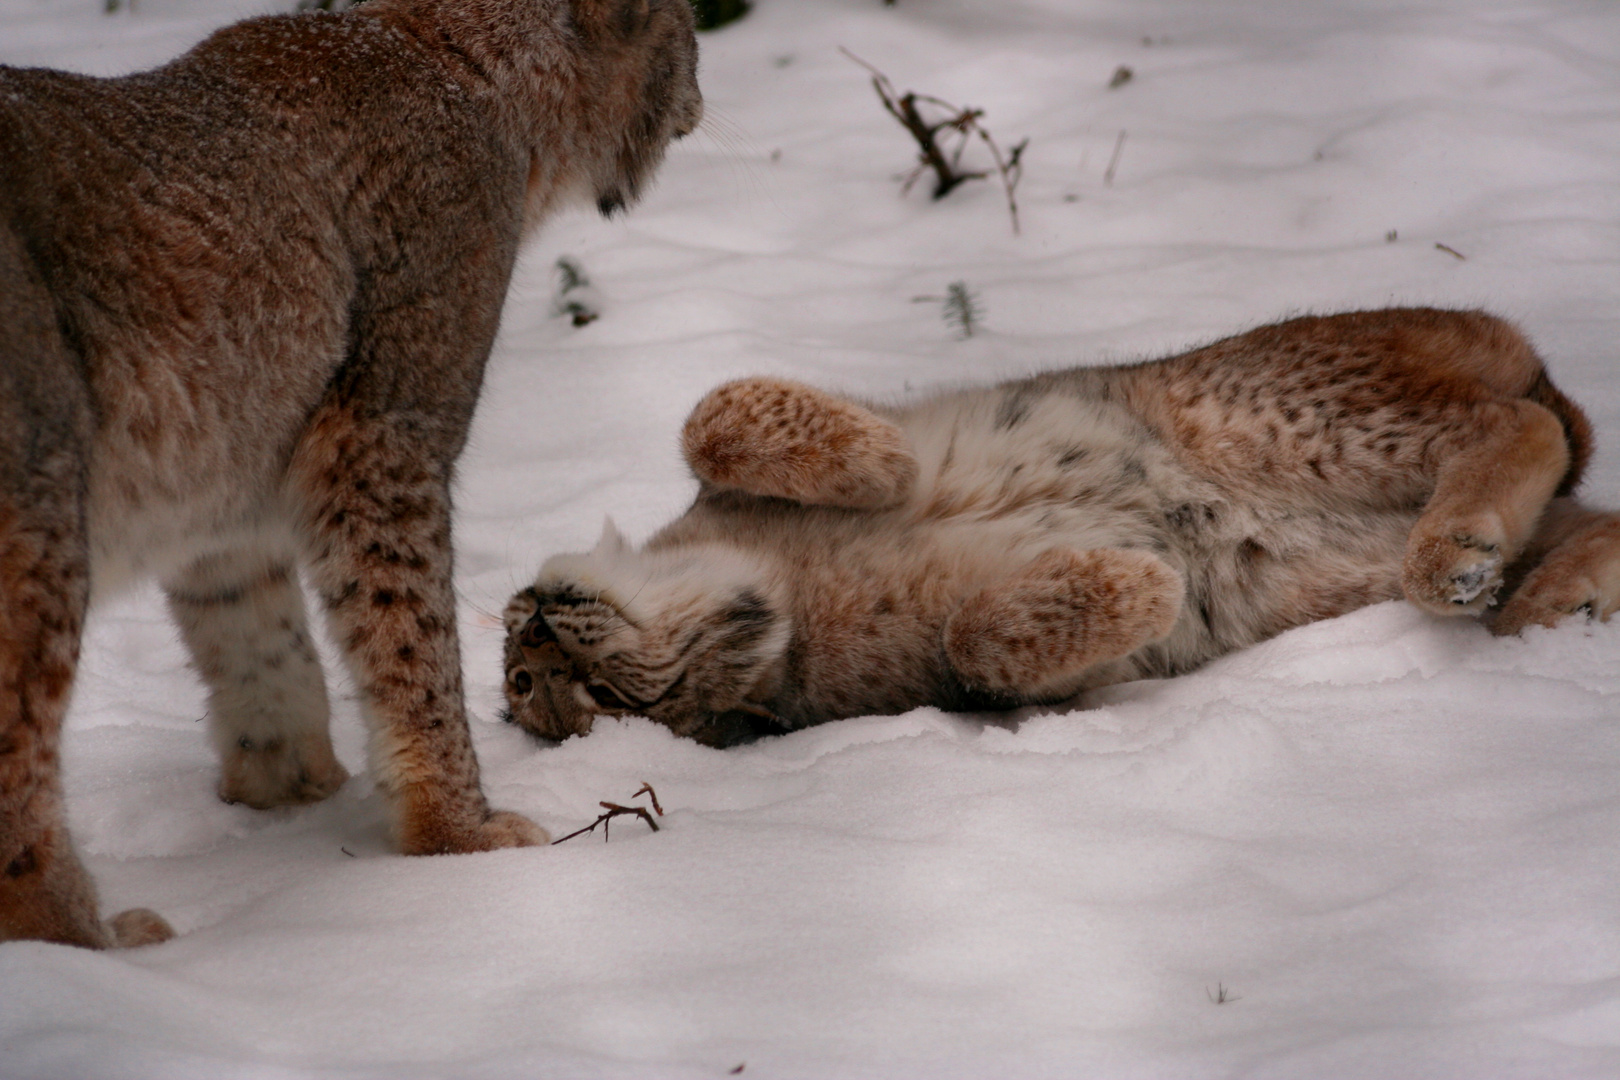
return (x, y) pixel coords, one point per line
(1379, 846)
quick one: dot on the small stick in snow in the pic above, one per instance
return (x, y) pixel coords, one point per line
(647, 790)
(964, 122)
(1113, 162)
(1449, 250)
(615, 810)
(1221, 995)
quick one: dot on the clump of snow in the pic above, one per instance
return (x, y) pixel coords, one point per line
(1378, 846)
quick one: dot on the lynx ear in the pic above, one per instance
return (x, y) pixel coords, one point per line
(623, 18)
(611, 542)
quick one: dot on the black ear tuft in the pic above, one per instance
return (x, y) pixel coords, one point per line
(616, 18)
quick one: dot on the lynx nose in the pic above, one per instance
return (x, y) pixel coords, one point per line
(535, 633)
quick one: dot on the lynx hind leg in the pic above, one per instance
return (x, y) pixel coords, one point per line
(777, 438)
(1489, 494)
(242, 617)
(1576, 566)
(1060, 614)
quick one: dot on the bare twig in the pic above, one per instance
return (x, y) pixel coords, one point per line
(1113, 162)
(1011, 169)
(615, 810)
(1449, 250)
(960, 123)
(1221, 996)
(647, 790)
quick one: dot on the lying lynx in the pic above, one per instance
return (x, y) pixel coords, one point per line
(1014, 545)
(245, 305)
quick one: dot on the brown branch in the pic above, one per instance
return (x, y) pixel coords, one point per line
(1011, 170)
(615, 810)
(647, 790)
(962, 122)
(1113, 162)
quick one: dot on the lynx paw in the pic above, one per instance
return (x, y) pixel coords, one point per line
(1451, 575)
(424, 832)
(504, 829)
(138, 926)
(1580, 573)
(280, 771)
(1061, 613)
(1547, 599)
(780, 439)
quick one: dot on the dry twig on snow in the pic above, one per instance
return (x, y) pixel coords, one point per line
(615, 810)
(1113, 162)
(963, 124)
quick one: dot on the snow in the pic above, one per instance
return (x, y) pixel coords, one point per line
(1382, 845)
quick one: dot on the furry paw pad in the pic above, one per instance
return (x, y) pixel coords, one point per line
(280, 771)
(1470, 580)
(1453, 574)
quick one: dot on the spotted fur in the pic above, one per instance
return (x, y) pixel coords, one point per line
(1022, 543)
(247, 300)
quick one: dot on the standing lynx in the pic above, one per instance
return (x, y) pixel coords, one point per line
(245, 304)
(1018, 544)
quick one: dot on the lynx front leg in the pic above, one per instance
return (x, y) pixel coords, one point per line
(1064, 612)
(1488, 496)
(242, 617)
(781, 439)
(377, 508)
(45, 893)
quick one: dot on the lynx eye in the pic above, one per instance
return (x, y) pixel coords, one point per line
(522, 682)
(607, 697)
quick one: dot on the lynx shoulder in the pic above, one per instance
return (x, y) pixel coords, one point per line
(1022, 543)
(248, 298)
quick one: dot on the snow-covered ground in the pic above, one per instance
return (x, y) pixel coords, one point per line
(1379, 846)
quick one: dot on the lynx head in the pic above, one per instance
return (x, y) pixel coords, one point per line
(648, 52)
(681, 636)
(620, 87)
